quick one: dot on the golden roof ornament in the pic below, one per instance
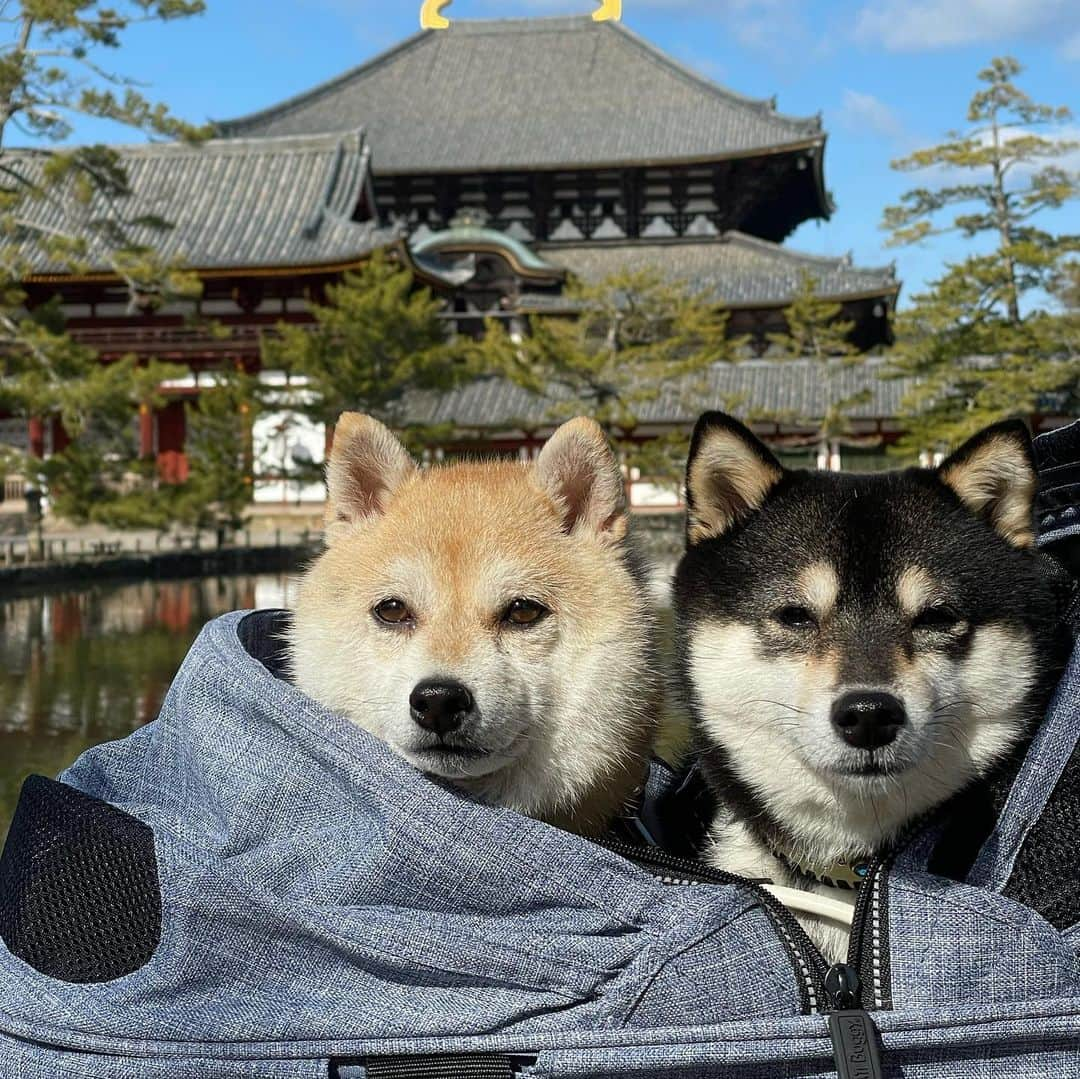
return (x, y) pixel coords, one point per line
(431, 17)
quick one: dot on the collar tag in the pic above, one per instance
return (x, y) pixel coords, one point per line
(843, 873)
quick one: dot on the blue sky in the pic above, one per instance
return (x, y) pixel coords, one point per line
(888, 75)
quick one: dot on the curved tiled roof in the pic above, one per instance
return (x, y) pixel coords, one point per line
(232, 203)
(773, 387)
(532, 93)
(474, 238)
(739, 270)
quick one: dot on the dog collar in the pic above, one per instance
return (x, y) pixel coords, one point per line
(847, 874)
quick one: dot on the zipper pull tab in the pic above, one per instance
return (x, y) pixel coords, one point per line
(855, 1037)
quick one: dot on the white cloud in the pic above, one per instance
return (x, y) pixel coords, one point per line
(866, 113)
(1069, 160)
(906, 26)
(1067, 135)
(1071, 49)
(765, 24)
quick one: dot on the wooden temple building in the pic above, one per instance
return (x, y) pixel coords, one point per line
(497, 159)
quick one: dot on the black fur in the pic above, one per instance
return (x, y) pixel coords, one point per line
(870, 527)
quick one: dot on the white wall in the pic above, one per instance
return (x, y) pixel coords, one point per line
(280, 438)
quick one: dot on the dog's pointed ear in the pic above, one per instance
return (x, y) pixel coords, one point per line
(728, 475)
(994, 475)
(579, 472)
(367, 464)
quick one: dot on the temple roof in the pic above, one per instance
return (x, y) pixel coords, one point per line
(793, 388)
(532, 93)
(739, 270)
(232, 203)
(477, 238)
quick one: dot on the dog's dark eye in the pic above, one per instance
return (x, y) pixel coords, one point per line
(525, 612)
(795, 617)
(939, 619)
(394, 612)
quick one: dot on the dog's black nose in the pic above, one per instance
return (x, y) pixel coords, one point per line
(868, 720)
(440, 706)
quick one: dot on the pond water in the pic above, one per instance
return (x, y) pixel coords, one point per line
(85, 665)
(79, 666)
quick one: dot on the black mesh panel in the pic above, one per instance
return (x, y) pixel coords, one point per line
(1046, 876)
(79, 893)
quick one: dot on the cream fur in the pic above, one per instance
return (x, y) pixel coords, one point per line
(728, 480)
(996, 480)
(915, 590)
(565, 708)
(820, 586)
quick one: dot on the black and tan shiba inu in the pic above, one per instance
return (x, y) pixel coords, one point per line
(488, 620)
(856, 649)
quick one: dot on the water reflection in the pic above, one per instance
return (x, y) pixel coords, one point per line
(87, 665)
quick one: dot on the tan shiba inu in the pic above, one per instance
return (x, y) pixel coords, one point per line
(487, 620)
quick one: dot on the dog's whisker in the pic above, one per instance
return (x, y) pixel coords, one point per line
(779, 704)
(961, 703)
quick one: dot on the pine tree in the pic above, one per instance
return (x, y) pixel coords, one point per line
(217, 492)
(983, 340)
(634, 337)
(817, 334)
(376, 338)
(1067, 287)
(99, 475)
(53, 74)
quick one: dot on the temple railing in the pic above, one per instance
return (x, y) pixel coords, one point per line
(181, 342)
(13, 489)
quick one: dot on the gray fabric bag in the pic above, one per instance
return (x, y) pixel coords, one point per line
(253, 888)
(322, 904)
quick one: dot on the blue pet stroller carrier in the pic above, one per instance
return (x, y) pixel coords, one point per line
(253, 888)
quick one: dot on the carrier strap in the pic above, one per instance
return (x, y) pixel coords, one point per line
(433, 1066)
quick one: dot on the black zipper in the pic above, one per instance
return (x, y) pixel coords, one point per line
(868, 952)
(855, 1037)
(809, 964)
(844, 992)
(436, 1066)
(861, 985)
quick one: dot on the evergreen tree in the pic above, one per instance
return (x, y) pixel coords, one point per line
(634, 337)
(1067, 287)
(53, 74)
(99, 475)
(983, 340)
(816, 333)
(376, 338)
(217, 492)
